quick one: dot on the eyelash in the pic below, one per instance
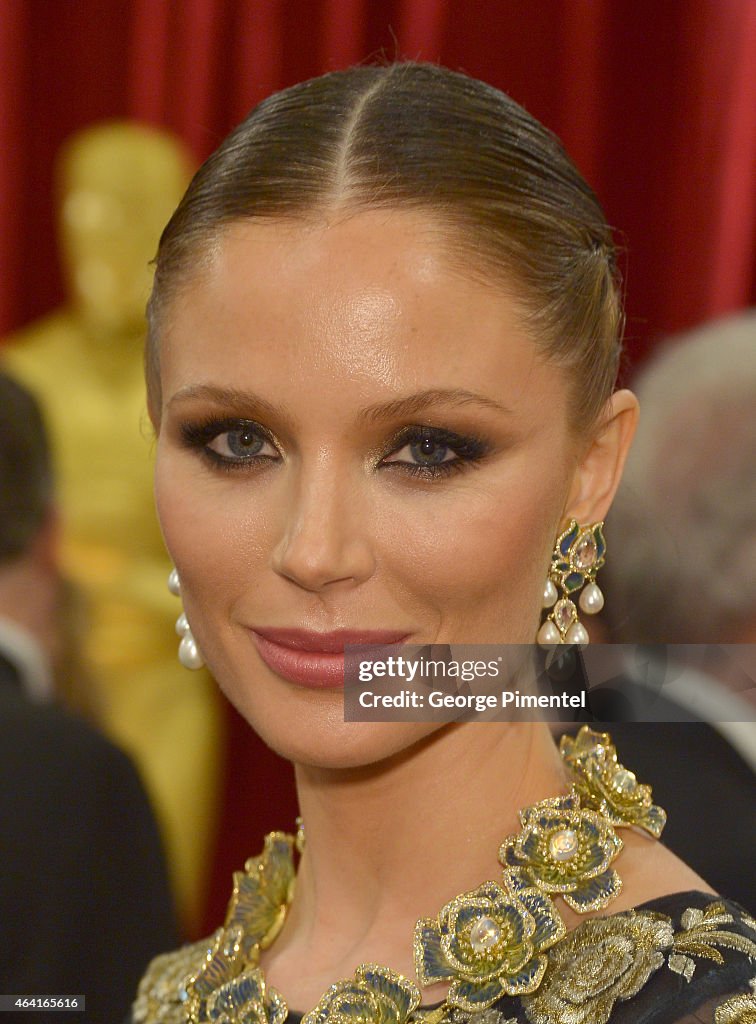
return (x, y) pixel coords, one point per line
(468, 450)
(198, 436)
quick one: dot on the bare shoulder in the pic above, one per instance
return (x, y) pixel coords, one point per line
(650, 870)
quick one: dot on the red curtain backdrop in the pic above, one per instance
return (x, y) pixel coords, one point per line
(655, 101)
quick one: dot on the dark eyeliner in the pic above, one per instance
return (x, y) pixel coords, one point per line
(197, 436)
(467, 449)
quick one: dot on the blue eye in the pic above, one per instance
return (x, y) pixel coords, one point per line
(230, 444)
(433, 452)
(423, 451)
(428, 452)
(238, 444)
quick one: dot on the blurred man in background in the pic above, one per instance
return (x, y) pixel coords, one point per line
(84, 896)
(681, 570)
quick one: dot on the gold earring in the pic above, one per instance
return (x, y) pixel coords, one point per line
(578, 554)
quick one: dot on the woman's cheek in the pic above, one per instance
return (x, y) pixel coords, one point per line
(469, 562)
(206, 529)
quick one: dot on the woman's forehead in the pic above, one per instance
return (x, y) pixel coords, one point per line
(359, 272)
(345, 301)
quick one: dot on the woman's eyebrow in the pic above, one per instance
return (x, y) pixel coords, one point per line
(243, 403)
(420, 401)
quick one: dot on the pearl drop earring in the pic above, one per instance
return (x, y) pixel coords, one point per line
(188, 652)
(578, 554)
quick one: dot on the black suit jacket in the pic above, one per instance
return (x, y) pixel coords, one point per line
(84, 897)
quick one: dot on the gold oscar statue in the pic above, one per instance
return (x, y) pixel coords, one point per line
(118, 184)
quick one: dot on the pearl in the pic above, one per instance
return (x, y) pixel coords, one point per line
(591, 599)
(174, 583)
(563, 845)
(484, 934)
(182, 625)
(188, 652)
(548, 634)
(549, 594)
(577, 634)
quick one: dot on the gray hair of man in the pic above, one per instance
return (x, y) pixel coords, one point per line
(681, 565)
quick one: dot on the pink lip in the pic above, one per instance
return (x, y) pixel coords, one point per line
(314, 660)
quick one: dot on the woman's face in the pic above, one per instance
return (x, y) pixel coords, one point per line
(354, 437)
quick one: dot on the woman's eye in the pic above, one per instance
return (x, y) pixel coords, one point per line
(240, 444)
(425, 452)
(230, 444)
(433, 452)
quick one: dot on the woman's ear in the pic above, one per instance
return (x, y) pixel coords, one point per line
(599, 469)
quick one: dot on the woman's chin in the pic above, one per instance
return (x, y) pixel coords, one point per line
(337, 745)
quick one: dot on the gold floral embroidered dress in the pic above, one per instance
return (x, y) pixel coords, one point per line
(686, 958)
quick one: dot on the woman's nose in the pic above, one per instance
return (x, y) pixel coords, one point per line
(325, 538)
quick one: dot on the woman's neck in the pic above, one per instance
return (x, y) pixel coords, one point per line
(392, 843)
